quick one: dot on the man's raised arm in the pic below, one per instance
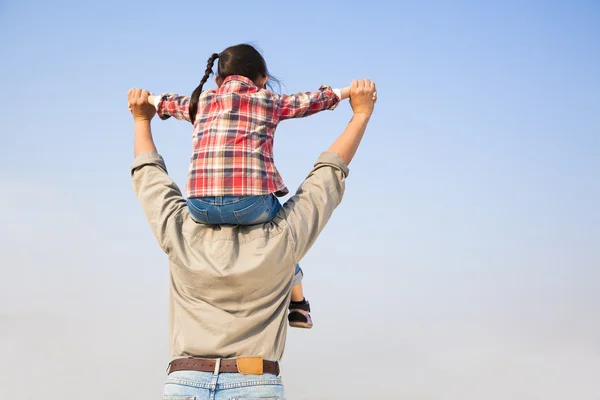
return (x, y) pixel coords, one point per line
(142, 113)
(363, 96)
(309, 210)
(160, 197)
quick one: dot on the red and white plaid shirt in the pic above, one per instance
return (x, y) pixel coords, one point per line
(233, 135)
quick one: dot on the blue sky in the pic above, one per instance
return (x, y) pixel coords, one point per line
(464, 259)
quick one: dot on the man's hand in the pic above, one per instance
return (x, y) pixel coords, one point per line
(142, 113)
(139, 106)
(363, 95)
(362, 99)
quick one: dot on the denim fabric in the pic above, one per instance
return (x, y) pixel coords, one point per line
(195, 385)
(233, 210)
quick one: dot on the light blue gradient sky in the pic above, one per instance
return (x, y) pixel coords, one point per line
(463, 263)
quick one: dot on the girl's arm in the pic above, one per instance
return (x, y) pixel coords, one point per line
(301, 105)
(171, 105)
(344, 93)
(154, 100)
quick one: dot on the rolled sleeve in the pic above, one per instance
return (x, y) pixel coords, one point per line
(309, 210)
(159, 196)
(148, 159)
(332, 160)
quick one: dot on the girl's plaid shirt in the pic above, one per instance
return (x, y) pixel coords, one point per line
(233, 135)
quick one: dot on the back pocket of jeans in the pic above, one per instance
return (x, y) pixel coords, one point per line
(255, 213)
(198, 215)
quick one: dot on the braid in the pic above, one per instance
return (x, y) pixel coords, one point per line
(193, 107)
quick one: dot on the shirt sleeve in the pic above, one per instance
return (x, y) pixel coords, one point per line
(161, 199)
(173, 105)
(301, 105)
(309, 210)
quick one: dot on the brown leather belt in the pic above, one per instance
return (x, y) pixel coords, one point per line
(227, 365)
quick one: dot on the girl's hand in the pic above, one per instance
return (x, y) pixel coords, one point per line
(346, 93)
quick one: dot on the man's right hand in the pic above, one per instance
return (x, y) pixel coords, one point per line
(363, 95)
(362, 99)
(139, 106)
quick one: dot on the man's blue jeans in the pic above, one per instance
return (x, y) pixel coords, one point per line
(237, 210)
(195, 385)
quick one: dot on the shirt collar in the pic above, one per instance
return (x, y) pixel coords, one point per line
(238, 78)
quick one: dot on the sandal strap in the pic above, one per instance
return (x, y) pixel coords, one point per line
(300, 306)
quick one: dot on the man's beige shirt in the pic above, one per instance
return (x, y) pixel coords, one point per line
(230, 285)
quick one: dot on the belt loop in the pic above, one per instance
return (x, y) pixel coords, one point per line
(217, 366)
(168, 366)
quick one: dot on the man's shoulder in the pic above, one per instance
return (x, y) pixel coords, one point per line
(194, 232)
(193, 242)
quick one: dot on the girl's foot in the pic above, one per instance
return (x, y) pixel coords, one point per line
(299, 314)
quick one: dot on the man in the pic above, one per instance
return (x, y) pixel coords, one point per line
(230, 285)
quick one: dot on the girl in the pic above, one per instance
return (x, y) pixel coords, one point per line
(232, 177)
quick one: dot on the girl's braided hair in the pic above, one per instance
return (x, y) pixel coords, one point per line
(242, 59)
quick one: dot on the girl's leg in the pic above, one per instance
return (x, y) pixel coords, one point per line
(299, 312)
(297, 293)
